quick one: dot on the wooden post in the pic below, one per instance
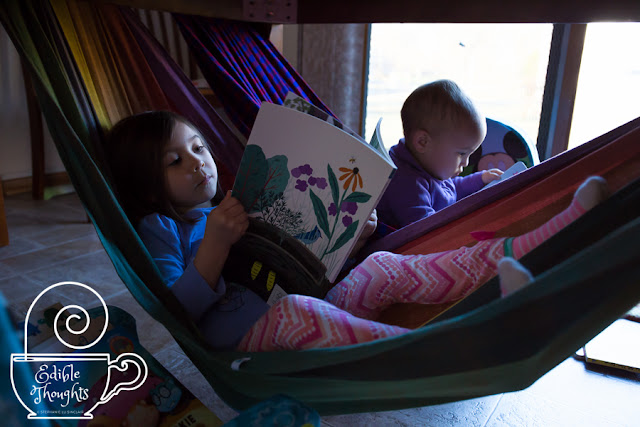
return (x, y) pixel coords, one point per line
(4, 230)
(37, 138)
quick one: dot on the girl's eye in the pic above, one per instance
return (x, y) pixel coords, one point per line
(174, 161)
(199, 148)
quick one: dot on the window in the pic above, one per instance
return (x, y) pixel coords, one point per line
(608, 93)
(502, 67)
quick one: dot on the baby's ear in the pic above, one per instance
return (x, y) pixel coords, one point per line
(420, 140)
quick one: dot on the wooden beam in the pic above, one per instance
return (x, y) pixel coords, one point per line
(228, 9)
(371, 11)
(4, 229)
(37, 137)
(467, 11)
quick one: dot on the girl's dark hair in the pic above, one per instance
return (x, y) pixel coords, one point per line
(134, 154)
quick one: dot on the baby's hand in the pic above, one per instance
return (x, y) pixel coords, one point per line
(370, 226)
(367, 231)
(227, 222)
(491, 175)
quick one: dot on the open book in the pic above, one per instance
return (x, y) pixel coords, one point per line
(515, 169)
(312, 179)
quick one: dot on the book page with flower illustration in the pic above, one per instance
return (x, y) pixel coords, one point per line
(312, 180)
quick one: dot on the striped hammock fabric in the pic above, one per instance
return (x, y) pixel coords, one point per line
(125, 70)
(515, 340)
(242, 66)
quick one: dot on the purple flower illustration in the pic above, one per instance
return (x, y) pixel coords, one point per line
(301, 184)
(350, 207)
(321, 183)
(347, 220)
(305, 169)
(302, 170)
(332, 209)
(312, 180)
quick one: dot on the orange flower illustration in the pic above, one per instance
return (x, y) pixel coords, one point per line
(351, 175)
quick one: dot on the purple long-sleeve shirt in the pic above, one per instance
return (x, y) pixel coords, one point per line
(414, 194)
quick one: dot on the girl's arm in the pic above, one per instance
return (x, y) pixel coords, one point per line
(162, 238)
(225, 225)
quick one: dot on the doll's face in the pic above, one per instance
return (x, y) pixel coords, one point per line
(501, 161)
(191, 175)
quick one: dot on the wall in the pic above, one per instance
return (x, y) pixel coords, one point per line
(333, 59)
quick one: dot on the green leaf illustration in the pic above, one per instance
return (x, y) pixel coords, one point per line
(333, 182)
(345, 236)
(358, 197)
(251, 177)
(278, 175)
(321, 213)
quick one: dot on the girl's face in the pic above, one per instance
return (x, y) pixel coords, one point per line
(190, 173)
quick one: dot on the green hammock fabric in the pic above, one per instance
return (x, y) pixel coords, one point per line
(515, 340)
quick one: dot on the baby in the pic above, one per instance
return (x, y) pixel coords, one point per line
(442, 128)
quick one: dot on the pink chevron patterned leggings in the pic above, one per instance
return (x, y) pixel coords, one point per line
(348, 312)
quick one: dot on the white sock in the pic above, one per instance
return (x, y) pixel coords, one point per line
(513, 275)
(591, 192)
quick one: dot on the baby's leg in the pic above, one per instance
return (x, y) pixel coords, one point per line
(298, 322)
(385, 278)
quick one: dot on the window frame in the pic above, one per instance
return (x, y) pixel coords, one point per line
(561, 85)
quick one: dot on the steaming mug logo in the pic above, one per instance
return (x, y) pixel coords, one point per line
(58, 384)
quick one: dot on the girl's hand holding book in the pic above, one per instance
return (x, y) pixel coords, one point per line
(227, 222)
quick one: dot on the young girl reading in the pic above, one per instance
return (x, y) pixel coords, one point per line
(166, 178)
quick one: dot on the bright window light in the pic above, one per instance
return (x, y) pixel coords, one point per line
(608, 93)
(502, 67)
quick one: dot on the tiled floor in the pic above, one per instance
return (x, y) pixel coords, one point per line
(51, 241)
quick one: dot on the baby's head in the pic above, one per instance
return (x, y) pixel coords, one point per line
(160, 163)
(442, 128)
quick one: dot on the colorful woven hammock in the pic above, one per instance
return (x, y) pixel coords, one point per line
(92, 63)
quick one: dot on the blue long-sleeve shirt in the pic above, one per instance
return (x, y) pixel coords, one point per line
(414, 194)
(224, 314)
